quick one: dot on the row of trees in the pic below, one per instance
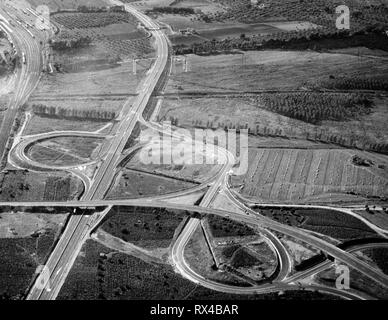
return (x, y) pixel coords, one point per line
(320, 12)
(171, 10)
(87, 9)
(355, 83)
(93, 19)
(43, 110)
(317, 136)
(314, 107)
(317, 39)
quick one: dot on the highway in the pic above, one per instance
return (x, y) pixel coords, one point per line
(297, 233)
(327, 264)
(185, 236)
(79, 226)
(28, 74)
(19, 155)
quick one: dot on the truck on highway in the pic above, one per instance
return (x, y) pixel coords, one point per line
(24, 58)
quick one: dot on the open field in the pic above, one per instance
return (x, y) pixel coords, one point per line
(250, 257)
(300, 252)
(334, 224)
(146, 185)
(110, 82)
(272, 69)
(65, 151)
(21, 185)
(199, 257)
(187, 171)
(26, 240)
(292, 175)
(195, 173)
(101, 91)
(240, 250)
(17, 224)
(224, 227)
(42, 125)
(145, 227)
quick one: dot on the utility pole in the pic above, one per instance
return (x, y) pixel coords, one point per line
(134, 67)
(186, 65)
(172, 64)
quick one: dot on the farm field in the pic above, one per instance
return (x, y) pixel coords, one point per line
(210, 31)
(229, 111)
(308, 176)
(100, 273)
(145, 227)
(271, 69)
(146, 185)
(203, 5)
(317, 11)
(337, 225)
(65, 151)
(26, 240)
(109, 32)
(57, 5)
(21, 185)
(208, 28)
